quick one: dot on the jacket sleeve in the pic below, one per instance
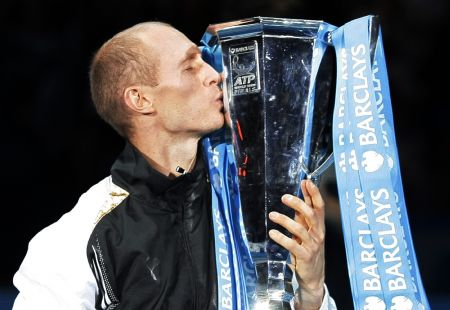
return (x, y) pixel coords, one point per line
(55, 272)
(328, 302)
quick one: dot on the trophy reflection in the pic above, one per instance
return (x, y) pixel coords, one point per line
(278, 90)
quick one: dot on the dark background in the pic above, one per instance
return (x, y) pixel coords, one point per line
(54, 146)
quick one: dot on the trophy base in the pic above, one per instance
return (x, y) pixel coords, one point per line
(272, 305)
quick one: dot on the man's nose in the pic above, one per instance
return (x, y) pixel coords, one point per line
(212, 76)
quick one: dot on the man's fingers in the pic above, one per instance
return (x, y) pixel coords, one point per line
(289, 244)
(313, 192)
(296, 229)
(306, 195)
(299, 218)
(301, 207)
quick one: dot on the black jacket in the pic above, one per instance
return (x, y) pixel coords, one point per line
(149, 244)
(155, 249)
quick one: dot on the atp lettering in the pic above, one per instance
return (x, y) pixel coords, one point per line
(244, 80)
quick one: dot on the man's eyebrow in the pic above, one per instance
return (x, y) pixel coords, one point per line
(191, 53)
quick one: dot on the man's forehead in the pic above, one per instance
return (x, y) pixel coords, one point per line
(164, 31)
(192, 51)
(168, 37)
(180, 50)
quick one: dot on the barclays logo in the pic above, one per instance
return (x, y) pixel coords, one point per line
(372, 161)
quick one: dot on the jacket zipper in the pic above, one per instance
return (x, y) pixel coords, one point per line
(188, 250)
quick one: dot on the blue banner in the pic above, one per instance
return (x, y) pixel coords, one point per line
(381, 260)
(215, 151)
(235, 269)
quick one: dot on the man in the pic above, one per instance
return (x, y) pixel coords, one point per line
(142, 237)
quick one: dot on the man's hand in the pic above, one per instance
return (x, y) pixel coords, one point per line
(307, 243)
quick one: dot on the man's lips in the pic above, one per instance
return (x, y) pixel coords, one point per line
(219, 99)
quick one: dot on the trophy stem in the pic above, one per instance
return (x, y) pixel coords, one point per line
(273, 290)
(279, 290)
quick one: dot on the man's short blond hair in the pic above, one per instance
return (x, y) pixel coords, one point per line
(122, 61)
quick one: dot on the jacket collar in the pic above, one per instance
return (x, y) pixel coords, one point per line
(133, 172)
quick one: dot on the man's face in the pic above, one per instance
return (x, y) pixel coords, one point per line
(188, 98)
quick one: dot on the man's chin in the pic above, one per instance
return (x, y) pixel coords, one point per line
(216, 127)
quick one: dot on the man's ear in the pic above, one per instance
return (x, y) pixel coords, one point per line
(137, 99)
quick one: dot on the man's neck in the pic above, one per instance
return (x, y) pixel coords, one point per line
(171, 156)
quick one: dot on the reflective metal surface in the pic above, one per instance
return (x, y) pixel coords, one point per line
(281, 125)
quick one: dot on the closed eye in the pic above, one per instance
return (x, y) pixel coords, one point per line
(192, 66)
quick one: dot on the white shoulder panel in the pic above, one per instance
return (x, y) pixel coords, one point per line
(55, 273)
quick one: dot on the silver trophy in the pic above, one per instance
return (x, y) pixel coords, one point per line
(279, 92)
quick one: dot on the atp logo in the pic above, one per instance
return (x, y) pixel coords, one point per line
(244, 72)
(244, 68)
(374, 303)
